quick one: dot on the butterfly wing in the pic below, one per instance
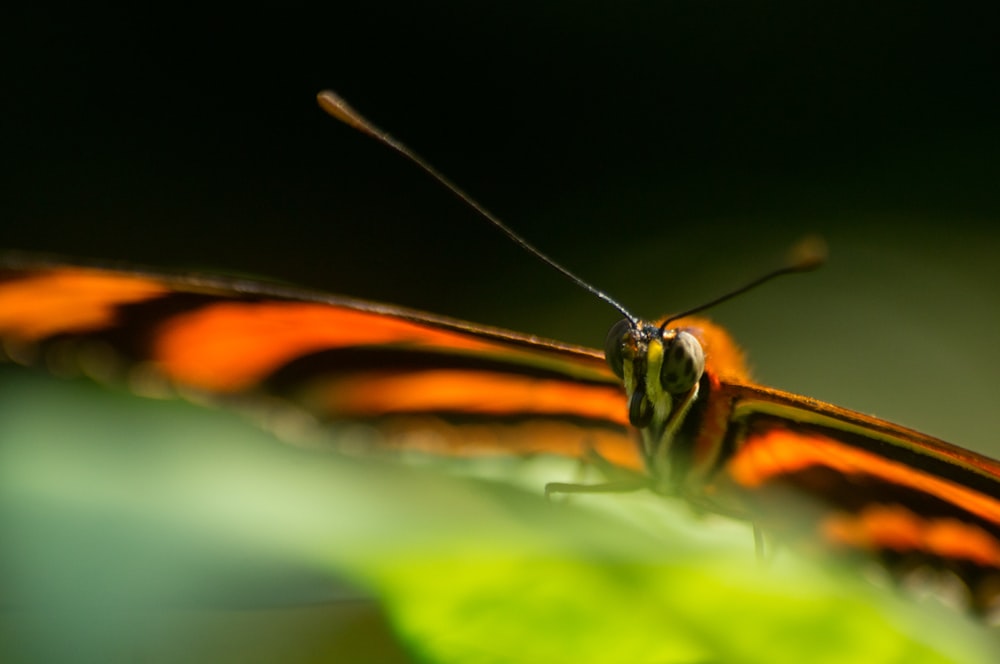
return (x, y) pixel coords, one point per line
(435, 384)
(419, 381)
(862, 484)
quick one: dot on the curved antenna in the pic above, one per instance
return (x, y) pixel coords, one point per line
(805, 255)
(335, 105)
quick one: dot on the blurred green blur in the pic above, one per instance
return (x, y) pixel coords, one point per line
(157, 531)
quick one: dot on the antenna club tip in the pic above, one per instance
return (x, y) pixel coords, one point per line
(329, 101)
(335, 106)
(808, 253)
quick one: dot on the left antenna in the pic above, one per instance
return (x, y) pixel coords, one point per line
(335, 105)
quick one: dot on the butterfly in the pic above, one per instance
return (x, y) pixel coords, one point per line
(667, 406)
(672, 410)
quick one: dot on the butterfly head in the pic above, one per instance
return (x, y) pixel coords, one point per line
(661, 365)
(658, 366)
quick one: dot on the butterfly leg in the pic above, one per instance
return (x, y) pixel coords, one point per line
(619, 480)
(610, 470)
(617, 486)
(764, 548)
(758, 543)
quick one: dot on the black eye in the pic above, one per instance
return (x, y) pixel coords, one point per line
(613, 346)
(683, 363)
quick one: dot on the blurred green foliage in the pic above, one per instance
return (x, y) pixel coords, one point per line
(160, 531)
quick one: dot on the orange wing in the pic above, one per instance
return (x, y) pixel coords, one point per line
(830, 478)
(423, 381)
(818, 473)
(799, 467)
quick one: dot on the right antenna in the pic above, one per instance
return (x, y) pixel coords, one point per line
(805, 255)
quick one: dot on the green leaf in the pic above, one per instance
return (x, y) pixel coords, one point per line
(149, 530)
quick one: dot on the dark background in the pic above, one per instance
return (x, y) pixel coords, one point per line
(664, 150)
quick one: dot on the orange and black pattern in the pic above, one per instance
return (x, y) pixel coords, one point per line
(338, 358)
(799, 468)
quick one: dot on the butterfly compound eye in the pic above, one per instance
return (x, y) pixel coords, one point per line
(613, 346)
(683, 363)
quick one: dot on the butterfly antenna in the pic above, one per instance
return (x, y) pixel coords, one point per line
(335, 105)
(805, 255)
